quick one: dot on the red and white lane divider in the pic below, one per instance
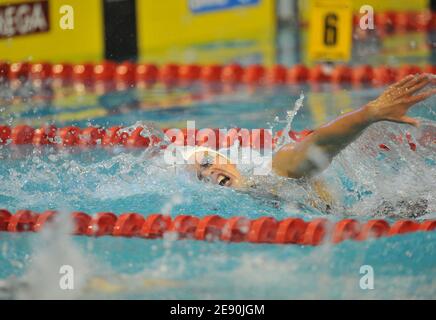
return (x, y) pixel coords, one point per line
(215, 227)
(128, 137)
(132, 74)
(72, 136)
(401, 21)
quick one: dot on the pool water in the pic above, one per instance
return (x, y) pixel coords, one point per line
(363, 179)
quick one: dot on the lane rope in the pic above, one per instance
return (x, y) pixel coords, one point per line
(390, 22)
(215, 228)
(134, 74)
(138, 137)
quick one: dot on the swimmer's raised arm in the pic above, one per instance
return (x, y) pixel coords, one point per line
(317, 150)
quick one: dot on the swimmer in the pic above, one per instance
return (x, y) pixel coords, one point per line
(307, 158)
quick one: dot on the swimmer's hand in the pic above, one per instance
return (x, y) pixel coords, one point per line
(315, 153)
(393, 104)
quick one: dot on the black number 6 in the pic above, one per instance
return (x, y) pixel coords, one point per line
(330, 29)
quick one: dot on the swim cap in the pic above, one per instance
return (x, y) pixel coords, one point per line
(188, 152)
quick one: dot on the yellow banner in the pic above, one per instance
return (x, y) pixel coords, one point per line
(73, 31)
(330, 30)
(203, 31)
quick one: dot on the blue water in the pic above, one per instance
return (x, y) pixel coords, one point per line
(120, 180)
(403, 267)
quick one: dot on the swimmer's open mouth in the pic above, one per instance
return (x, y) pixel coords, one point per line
(223, 180)
(219, 179)
(214, 176)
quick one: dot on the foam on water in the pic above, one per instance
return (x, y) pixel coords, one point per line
(364, 179)
(394, 179)
(361, 178)
(290, 116)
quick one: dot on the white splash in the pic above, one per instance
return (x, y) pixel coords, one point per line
(290, 115)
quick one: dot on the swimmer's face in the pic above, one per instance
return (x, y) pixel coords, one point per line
(216, 169)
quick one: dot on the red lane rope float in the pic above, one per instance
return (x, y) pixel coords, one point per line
(373, 229)
(215, 227)
(263, 230)
(42, 219)
(5, 217)
(346, 229)
(82, 223)
(184, 226)
(21, 221)
(403, 226)
(315, 232)
(103, 223)
(131, 74)
(236, 229)
(128, 225)
(72, 136)
(210, 228)
(155, 226)
(290, 230)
